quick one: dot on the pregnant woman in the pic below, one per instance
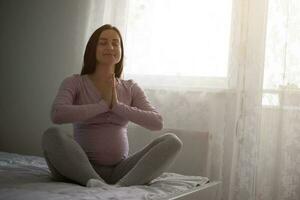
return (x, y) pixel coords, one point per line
(100, 104)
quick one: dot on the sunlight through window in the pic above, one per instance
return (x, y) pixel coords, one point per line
(178, 38)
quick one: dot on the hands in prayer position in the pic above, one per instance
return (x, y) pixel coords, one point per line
(109, 93)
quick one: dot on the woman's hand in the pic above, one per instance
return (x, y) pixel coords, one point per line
(114, 99)
(106, 93)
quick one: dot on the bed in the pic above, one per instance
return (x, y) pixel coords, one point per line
(27, 177)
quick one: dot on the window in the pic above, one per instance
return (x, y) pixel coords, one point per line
(282, 61)
(176, 43)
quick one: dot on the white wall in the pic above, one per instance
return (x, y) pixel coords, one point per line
(41, 42)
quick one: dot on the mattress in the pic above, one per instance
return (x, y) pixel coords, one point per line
(28, 177)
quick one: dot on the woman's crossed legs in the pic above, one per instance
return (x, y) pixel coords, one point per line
(67, 160)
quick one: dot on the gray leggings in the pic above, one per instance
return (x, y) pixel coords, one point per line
(68, 162)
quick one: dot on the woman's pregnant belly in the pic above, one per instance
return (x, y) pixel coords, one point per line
(105, 144)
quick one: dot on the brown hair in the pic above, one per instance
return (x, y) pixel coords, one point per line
(89, 59)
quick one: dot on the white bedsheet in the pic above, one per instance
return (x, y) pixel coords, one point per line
(28, 178)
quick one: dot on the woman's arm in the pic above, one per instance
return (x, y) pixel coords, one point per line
(63, 110)
(140, 112)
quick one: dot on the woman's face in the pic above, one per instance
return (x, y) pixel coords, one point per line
(108, 49)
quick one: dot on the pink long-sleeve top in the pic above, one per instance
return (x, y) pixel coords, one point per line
(99, 130)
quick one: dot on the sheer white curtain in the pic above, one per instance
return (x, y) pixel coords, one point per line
(246, 95)
(279, 159)
(266, 145)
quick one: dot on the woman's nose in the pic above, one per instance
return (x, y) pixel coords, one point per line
(109, 46)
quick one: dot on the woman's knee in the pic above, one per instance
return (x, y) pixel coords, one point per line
(173, 140)
(52, 135)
